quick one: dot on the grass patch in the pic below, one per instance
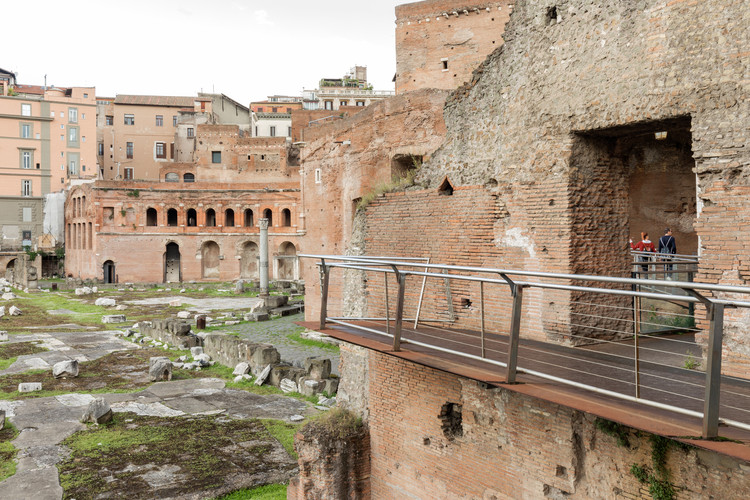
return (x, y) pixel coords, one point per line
(7, 451)
(337, 423)
(284, 433)
(297, 337)
(200, 452)
(9, 353)
(267, 492)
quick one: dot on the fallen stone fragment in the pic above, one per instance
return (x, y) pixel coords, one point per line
(98, 412)
(9, 296)
(238, 378)
(3, 336)
(263, 375)
(203, 359)
(105, 302)
(184, 314)
(288, 385)
(196, 351)
(14, 311)
(65, 369)
(2, 311)
(160, 368)
(29, 386)
(296, 418)
(121, 307)
(175, 303)
(182, 290)
(94, 289)
(321, 408)
(324, 401)
(318, 368)
(241, 368)
(113, 318)
(247, 376)
(231, 323)
(182, 358)
(2, 419)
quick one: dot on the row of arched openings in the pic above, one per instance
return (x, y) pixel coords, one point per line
(211, 219)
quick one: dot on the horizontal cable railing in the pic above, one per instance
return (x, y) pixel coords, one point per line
(629, 338)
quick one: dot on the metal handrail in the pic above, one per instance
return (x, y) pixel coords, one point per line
(402, 268)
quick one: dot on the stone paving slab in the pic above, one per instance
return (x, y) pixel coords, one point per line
(208, 304)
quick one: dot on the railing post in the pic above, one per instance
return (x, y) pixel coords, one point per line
(324, 275)
(481, 312)
(399, 310)
(515, 328)
(713, 371)
(387, 311)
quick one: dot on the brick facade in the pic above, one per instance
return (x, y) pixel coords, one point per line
(508, 445)
(440, 42)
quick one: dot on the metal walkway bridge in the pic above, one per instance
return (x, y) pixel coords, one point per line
(580, 334)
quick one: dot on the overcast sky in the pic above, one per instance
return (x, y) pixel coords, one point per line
(246, 49)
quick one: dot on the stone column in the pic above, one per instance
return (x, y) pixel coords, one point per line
(263, 223)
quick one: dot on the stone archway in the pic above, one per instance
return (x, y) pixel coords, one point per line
(287, 261)
(210, 253)
(249, 260)
(10, 270)
(172, 263)
(109, 272)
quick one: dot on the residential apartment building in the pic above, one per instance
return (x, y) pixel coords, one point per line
(138, 134)
(47, 142)
(273, 117)
(350, 90)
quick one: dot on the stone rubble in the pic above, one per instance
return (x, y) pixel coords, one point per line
(65, 369)
(98, 412)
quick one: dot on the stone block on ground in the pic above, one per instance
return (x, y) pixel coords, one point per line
(318, 368)
(288, 385)
(204, 359)
(239, 287)
(184, 314)
(309, 387)
(279, 372)
(330, 386)
(14, 311)
(2, 419)
(263, 375)
(98, 412)
(113, 318)
(3, 336)
(175, 303)
(160, 368)
(273, 301)
(196, 351)
(264, 355)
(104, 301)
(2, 311)
(29, 386)
(121, 307)
(9, 296)
(65, 369)
(241, 368)
(261, 316)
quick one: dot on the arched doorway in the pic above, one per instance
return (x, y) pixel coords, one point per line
(287, 257)
(210, 259)
(109, 272)
(249, 261)
(10, 270)
(172, 263)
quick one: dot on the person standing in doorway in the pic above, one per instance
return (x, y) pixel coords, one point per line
(645, 245)
(667, 245)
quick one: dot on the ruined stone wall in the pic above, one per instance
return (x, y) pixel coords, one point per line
(409, 124)
(542, 121)
(509, 445)
(440, 42)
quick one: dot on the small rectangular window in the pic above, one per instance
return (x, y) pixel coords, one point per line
(159, 120)
(318, 176)
(129, 119)
(25, 188)
(109, 120)
(72, 167)
(25, 159)
(360, 103)
(216, 156)
(72, 134)
(26, 130)
(25, 109)
(73, 115)
(161, 150)
(174, 121)
(129, 150)
(190, 132)
(128, 173)
(273, 131)
(289, 131)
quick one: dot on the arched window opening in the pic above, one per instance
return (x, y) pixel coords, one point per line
(192, 217)
(151, 217)
(172, 177)
(210, 218)
(286, 217)
(171, 217)
(229, 217)
(188, 177)
(248, 218)
(268, 214)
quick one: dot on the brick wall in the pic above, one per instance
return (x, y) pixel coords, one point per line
(509, 445)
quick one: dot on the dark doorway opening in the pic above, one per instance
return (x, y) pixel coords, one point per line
(109, 272)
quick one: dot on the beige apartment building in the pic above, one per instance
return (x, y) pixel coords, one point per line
(47, 142)
(138, 134)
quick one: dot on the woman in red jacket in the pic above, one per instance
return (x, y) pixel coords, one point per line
(645, 245)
